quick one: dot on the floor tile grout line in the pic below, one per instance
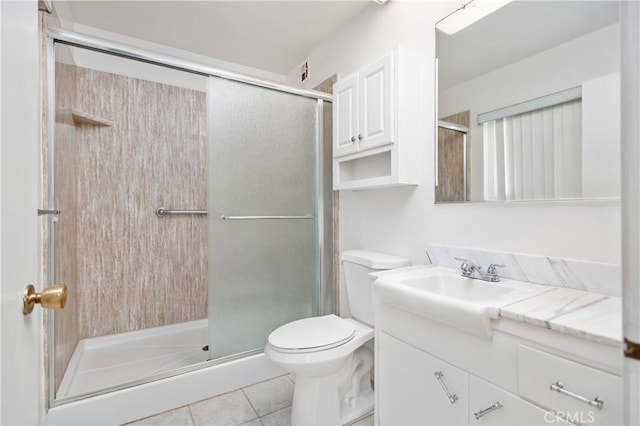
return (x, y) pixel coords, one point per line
(275, 411)
(251, 404)
(265, 381)
(193, 420)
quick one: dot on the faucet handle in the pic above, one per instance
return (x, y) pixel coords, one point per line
(467, 266)
(491, 269)
(466, 261)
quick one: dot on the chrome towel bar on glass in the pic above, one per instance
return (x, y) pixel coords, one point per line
(224, 217)
(163, 211)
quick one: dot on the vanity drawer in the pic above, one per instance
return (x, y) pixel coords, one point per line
(490, 405)
(569, 388)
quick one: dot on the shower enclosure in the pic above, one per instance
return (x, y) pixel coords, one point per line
(187, 211)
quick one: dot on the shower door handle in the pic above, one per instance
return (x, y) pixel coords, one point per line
(305, 216)
(163, 211)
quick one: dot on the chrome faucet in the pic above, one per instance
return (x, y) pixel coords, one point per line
(471, 270)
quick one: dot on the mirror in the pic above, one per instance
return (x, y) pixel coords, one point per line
(528, 102)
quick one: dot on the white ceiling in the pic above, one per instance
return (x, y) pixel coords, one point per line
(273, 36)
(518, 30)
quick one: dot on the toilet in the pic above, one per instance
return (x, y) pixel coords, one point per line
(326, 354)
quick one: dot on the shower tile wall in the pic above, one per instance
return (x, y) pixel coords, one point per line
(451, 160)
(126, 268)
(66, 245)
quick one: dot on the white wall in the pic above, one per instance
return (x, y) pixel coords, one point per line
(403, 221)
(601, 139)
(126, 67)
(65, 20)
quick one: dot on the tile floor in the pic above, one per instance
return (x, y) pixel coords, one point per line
(267, 403)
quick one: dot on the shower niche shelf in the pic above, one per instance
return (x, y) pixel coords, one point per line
(81, 117)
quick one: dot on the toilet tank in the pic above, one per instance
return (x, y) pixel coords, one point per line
(357, 264)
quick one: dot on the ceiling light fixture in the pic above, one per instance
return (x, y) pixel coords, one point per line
(381, 1)
(468, 14)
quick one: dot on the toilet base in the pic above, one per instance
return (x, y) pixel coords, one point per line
(338, 398)
(362, 405)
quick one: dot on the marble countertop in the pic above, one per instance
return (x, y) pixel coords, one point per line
(583, 314)
(579, 313)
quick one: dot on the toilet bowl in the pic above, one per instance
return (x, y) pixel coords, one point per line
(326, 354)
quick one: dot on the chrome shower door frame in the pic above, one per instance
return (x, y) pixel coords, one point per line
(59, 36)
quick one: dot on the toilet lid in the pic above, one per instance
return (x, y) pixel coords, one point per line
(315, 334)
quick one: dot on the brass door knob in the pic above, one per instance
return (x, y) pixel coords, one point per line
(53, 297)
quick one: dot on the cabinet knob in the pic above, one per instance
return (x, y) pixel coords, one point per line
(353, 138)
(359, 137)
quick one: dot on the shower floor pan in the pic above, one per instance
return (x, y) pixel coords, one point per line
(103, 362)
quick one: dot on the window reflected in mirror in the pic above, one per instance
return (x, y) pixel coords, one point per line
(539, 85)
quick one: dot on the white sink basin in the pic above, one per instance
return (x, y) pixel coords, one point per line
(443, 295)
(457, 287)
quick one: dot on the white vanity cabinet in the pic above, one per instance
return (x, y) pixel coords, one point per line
(376, 122)
(420, 389)
(582, 394)
(417, 388)
(491, 405)
(430, 373)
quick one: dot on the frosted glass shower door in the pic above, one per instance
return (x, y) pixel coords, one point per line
(263, 234)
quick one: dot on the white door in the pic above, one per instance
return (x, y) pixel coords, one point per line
(21, 360)
(630, 55)
(345, 116)
(376, 108)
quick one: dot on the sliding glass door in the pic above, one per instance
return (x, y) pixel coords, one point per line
(263, 221)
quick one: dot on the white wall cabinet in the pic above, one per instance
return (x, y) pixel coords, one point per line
(345, 116)
(376, 122)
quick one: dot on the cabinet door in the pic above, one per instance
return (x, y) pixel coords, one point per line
(570, 388)
(345, 116)
(409, 393)
(377, 109)
(490, 405)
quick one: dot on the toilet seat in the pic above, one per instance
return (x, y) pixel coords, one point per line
(312, 334)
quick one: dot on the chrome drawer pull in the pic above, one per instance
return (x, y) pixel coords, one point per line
(494, 407)
(559, 387)
(439, 377)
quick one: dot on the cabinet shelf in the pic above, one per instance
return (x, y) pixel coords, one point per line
(81, 117)
(368, 170)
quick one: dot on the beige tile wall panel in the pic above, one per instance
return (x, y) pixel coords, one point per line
(67, 333)
(136, 270)
(451, 160)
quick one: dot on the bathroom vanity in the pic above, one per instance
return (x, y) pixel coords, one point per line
(551, 355)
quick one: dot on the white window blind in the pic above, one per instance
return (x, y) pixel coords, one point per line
(535, 154)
